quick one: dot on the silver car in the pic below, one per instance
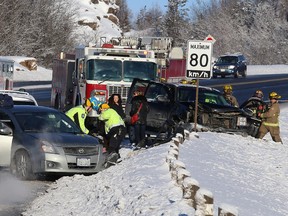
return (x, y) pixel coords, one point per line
(40, 140)
(20, 97)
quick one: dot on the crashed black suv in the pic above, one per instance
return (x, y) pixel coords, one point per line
(172, 106)
(230, 65)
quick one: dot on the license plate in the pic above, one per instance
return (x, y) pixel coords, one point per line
(83, 162)
(222, 70)
(241, 121)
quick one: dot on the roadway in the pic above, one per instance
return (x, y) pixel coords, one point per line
(243, 88)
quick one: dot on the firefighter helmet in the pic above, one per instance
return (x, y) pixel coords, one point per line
(259, 94)
(227, 88)
(274, 95)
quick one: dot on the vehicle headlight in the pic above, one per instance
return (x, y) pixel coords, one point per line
(47, 147)
(215, 67)
(231, 67)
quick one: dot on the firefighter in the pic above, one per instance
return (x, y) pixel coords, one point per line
(270, 119)
(115, 131)
(227, 93)
(79, 113)
(255, 103)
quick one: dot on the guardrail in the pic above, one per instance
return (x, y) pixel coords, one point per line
(199, 198)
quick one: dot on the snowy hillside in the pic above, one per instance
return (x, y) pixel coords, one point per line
(96, 20)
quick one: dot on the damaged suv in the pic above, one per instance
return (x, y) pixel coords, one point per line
(172, 106)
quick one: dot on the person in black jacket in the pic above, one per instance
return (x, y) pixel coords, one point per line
(115, 102)
(255, 103)
(140, 125)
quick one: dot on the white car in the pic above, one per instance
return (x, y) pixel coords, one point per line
(20, 97)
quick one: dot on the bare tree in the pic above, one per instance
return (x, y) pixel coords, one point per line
(124, 15)
(175, 20)
(151, 18)
(36, 28)
(255, 28)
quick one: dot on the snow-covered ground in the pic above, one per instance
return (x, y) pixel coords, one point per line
(243, 174)
(248, 175)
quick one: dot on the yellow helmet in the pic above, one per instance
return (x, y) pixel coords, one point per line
(104, 106)
(88, 103)
(227, 88)
(193, 82)
(259, 94)
(274, 95)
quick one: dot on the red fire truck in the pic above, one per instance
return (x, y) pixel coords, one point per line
(175, 69)
(6, 74)
(106, 70)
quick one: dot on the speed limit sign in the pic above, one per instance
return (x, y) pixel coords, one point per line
(199, 59)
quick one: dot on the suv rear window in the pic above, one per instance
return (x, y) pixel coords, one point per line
(228, 59)
(205, 96)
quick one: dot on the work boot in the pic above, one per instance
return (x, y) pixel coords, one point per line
(111, 159)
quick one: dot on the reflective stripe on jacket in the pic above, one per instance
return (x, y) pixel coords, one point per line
(111, 119)
(78, 115)
(271, 117)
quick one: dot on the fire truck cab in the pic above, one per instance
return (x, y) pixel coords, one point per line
(107, 71)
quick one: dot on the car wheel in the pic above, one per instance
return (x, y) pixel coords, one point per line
(23, 166)
(244, 73)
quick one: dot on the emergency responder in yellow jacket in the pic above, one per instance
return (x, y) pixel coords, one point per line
(79, 113)
(115, 131)
(270, 119)
(227, 93)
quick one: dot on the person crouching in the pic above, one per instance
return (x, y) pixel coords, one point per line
(115, 131)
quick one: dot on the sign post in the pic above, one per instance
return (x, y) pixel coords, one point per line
(198, 65)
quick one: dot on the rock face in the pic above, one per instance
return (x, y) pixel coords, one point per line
(96, 18)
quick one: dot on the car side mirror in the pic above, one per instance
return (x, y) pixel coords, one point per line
(5, 130)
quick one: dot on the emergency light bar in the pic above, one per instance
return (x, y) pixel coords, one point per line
(115, 51)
